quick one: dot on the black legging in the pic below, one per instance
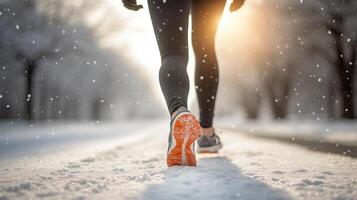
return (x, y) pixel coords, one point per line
(170, 22)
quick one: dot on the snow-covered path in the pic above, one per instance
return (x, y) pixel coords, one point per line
(247, 168)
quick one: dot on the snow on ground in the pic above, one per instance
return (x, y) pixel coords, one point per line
(339, 131)
(134, 168)
(24, 141)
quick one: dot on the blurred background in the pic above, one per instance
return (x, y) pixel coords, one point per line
(82, 115)
(96, 61)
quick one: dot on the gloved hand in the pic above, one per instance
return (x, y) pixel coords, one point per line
(236, 4)
(131, 5)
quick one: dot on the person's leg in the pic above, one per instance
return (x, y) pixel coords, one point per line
(170, 22)
(205, 19)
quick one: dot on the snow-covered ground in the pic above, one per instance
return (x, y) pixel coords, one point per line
(339, 132)
(127, 161)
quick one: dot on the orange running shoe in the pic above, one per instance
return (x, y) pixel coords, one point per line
(184, 130)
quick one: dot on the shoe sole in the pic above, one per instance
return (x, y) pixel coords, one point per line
(185, 131)
(213, 149)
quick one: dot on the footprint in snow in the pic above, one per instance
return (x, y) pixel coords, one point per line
(278, 172)
(320, 177)
(20, 187)
(118, 169)
(275, 179)
(88, 160)
(46, 194)
(300, 171)
(252, 153)
(73, 165)
(327, 173)
(312, 182)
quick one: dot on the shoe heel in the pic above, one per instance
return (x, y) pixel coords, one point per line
(185, 131)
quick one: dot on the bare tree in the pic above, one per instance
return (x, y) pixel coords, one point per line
(33, 39)
(54, 62)
(278, 58)
(336, 20)
(250, 102)
(278, 83)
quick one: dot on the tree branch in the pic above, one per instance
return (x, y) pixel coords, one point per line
(353, 60)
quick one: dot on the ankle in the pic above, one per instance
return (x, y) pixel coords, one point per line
(174, 114)
(207, 131)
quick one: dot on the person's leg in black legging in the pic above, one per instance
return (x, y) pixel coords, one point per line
(205, 18)
(170, 22)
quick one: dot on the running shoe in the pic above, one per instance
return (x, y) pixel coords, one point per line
(209, 144)
(184, 130)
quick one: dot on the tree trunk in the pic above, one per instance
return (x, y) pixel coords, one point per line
(345, 74)
(331, 98)
(43, 107)
(96, 109)
(29, 77)
(348, 111)
(346, 78)
(252, 108)
(278, 89)
(3, 100)
(55, 103)
(280, 108)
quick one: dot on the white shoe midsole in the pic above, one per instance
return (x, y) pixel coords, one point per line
(173, 140)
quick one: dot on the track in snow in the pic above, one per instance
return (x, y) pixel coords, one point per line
(247, 168)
